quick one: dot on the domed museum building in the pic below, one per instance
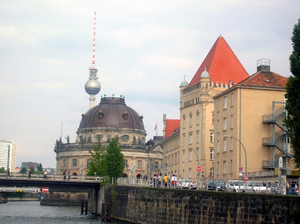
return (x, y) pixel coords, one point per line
(112, 118)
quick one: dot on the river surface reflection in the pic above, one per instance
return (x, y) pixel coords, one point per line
(24, 212)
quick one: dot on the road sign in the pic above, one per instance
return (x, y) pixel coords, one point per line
(45, 189)
(280, 162)
(198, 168)
(240, 168)
(246, 178)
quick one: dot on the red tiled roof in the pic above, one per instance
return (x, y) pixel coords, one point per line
(171, 125)
(265, 79)
(221, 64)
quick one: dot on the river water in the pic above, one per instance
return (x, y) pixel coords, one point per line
(25, 212)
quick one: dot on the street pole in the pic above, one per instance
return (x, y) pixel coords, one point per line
(198, 165)
(229, 136)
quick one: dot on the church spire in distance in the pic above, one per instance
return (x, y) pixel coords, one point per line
(92, 86)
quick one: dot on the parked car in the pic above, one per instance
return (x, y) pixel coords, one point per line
(186, 184)
(255, 187)
(235, 186)
(275, 188)
(216, 185)
(292, 189)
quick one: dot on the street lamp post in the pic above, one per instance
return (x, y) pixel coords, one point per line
(229, 136)
(198, 165)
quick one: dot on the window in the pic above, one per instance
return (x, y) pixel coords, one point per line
(231, 99)
(231, 144)
(225, 143)
(183, 121)
(183, 140)
(198, 118)
(212, 136)
(155, 165)
(197, 149)
(183, 156)
(88, 161)
(231, 121)
(224, 167)
(230, 166)
(225, 123)
(190, 155)
(74, 162)
(191, 138)
(212, 154)
(197, 136)
(225, 102)
(191, 119)
(183, 173)
(178, 157)
(218, 168)
(211, 172)
(139, 164)
(64, 162)
(218, 105)
(213, 118)
(190, 173)
(218, 147)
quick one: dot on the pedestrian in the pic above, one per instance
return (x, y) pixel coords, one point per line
(45, 175)
(64, 173)
(166, 180)
(8, 173)
(29, 174)
(173, 180)
(69, 175)
(154, 181)
(159, 180)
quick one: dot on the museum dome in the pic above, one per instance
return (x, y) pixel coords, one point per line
(112, 112)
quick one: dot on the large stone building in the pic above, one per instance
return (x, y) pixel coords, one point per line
(112, 118)
(7, 155)
(219, 71)
(249, 116)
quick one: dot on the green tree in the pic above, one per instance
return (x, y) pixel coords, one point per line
(32, 169)
(293, 96)
(40, 167)
(114, 160)
(97, 163)
(2, 170)
(23, 170)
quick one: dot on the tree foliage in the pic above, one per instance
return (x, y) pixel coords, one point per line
(2, 170)
(114, 160)
(97, 164)
(32, 169)
(40, 167)
(293, 96)
(23, 170)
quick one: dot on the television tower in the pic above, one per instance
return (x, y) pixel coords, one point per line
(92, 86)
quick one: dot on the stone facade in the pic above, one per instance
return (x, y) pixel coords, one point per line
(112, 118)
(167, 206)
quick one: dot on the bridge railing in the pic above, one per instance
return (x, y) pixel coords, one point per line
(51, 177)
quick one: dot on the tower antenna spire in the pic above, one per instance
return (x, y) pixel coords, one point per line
(92, 86)
(94, 42)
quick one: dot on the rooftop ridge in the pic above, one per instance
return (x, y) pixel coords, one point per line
(222, 65)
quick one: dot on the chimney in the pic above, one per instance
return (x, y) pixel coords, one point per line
(263, 65)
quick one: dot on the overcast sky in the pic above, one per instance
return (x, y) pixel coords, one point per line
(143, 51)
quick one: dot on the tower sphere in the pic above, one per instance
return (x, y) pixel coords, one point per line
(92, 87)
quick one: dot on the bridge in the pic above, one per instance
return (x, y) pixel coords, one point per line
(50, 183)
(57, 181)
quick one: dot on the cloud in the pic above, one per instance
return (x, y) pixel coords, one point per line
(143, 51)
